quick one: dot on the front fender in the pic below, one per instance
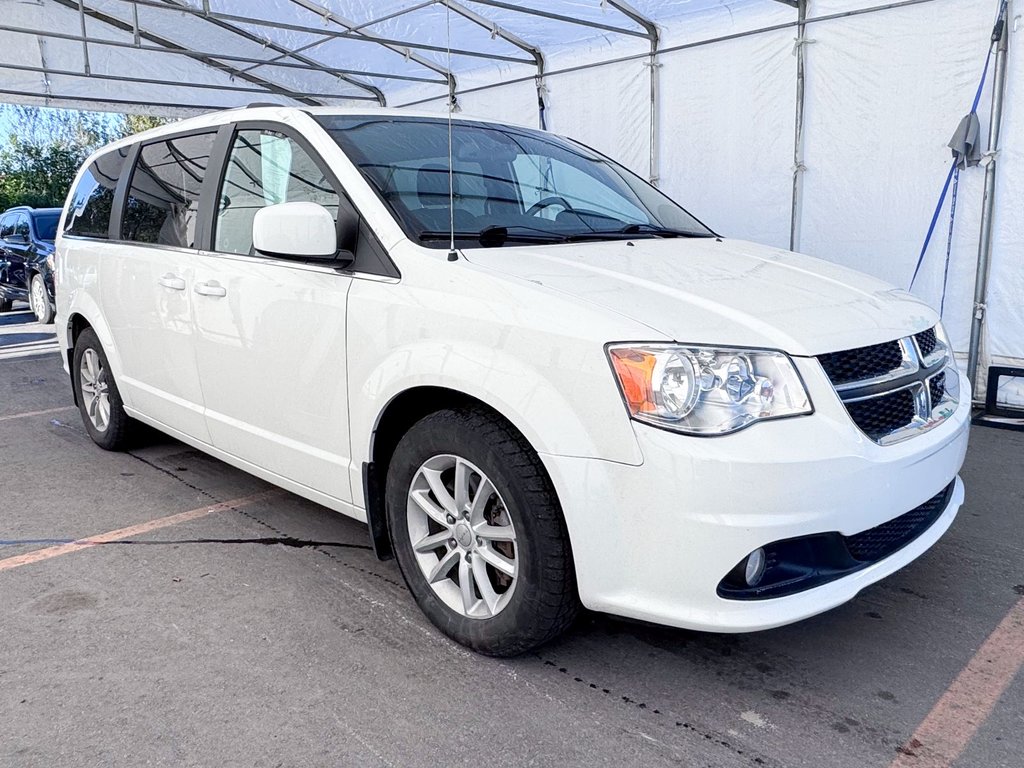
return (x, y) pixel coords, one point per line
(547, 414)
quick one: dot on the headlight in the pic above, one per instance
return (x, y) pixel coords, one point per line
(706, 390)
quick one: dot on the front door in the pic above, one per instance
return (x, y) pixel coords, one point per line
(6, 233)
(271, 333)
(19, 250)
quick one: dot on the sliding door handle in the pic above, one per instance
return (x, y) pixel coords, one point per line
(172, 281)
(211, 288)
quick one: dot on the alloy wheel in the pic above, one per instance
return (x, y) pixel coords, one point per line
(95, 389)
(462, 536)
(39, 299)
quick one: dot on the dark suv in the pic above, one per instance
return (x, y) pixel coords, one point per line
(26, 259)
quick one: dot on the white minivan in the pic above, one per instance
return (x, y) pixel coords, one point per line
(541, 382)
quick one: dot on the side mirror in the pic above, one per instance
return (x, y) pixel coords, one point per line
(298, 230)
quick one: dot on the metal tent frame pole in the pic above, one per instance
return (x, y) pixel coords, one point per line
(313, 64)
(652, 34)
(170, 46)
(509, 37)
(796, 205)
(203, 55)
(987, 209)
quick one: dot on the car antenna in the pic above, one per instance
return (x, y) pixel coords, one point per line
(452, 254)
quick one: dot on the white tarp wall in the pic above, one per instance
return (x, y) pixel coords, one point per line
(886, 83)
(884, 92)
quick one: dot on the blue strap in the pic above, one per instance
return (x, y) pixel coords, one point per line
(949, 239)
(931, 227)
(953, 168)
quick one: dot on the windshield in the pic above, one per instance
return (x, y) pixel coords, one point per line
(510, 185)
(46, 225)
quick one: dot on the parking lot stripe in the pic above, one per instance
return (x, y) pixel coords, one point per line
(132, 530)
(967, 703)
(37, 413)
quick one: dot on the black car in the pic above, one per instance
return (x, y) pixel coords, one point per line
(26, 259)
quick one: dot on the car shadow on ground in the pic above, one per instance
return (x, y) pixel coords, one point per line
(21, 335)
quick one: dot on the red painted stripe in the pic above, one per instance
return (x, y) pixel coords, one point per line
(967, 703)
(132, 530)
(37, 413)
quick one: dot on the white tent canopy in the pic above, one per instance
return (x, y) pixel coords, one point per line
(702, 96)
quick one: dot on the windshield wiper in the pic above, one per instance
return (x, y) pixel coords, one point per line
(496, 236)
(658, 231)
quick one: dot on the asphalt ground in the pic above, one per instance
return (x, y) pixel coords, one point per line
(196, 639)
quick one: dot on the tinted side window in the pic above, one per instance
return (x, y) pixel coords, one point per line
(163, 201)
(46, 225)
(265, 168)
(7, 226)
(90, 204)
(21, 228)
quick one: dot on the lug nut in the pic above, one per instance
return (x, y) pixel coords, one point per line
(479, 541)
(451, 543)
(451, 519)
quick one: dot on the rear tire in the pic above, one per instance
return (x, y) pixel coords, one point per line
(39, 299)
(99, 401)
(504, 580)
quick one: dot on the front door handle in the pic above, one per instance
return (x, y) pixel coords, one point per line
(172, 281)
(211, 288)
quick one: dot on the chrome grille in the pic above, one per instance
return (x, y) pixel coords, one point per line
(937, 386)
(896, 389)
(926, 341)
(879, 416)
(861, 363)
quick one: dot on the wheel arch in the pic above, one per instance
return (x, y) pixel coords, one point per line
(76, 324)
(396, 418)
(78, 320)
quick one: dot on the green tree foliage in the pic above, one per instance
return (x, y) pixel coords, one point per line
(44, 148)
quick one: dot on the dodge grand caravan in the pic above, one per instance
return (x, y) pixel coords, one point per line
(542, 383)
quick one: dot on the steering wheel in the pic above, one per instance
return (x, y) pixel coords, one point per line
(546, 202)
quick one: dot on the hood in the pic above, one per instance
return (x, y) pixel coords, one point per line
(725, 292)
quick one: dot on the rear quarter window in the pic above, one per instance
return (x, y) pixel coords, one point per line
(89, 207)
(163, 200)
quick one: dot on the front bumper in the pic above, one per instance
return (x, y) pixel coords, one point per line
(653, 542)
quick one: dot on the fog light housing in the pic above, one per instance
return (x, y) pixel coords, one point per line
(753, 570)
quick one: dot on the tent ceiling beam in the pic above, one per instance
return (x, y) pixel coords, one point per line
(395, 15)
(560, 17)
(312, 63)
(100, 103)
(350, 31)
(496, 30)
(638, 18)
(405, 52)
(164, 44)
(42, 33)
(178, 83)
(518, 42)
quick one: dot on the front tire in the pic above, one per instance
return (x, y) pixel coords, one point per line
(99, 401)
(479, 534)
(40, 300)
